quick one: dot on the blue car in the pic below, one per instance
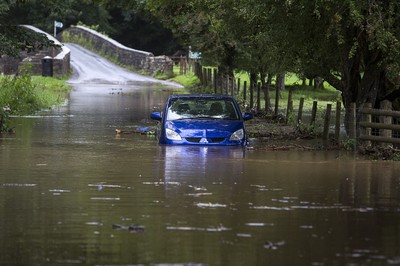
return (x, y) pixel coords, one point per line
(202, 120)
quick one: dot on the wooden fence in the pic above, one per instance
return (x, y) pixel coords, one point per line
(380, 125)
(252, 94)
(327, 117)
(376, 125)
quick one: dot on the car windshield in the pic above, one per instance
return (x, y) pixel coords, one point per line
(202, 108)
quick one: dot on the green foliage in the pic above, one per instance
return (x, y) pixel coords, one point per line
(25, 94)
(188, 80)
(349, 144)
(4, 118)
(15, 39)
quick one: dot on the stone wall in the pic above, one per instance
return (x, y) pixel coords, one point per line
(8, 65)
(60, 57)
(137, 59)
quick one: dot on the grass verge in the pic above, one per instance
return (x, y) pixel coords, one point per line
(25, 94)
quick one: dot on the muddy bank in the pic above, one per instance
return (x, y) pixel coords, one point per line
(269, 134)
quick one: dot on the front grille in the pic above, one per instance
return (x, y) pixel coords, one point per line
(215, 140)
(197, 140)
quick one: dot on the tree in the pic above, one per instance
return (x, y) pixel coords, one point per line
(353, 45)
(15, 38)
(199, 24)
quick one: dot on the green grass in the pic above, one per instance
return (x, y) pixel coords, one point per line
(188, 80)
(26, 94)
(324, 95)
(51, 84)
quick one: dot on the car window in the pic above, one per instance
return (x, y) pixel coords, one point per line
(202, 108)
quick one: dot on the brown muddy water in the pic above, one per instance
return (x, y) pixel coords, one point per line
(73, 193)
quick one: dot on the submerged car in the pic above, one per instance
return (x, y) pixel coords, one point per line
(202, 120)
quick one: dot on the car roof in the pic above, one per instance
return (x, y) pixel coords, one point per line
(206, 96)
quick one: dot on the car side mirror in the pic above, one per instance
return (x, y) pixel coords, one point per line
(156, 116)
(247, 116)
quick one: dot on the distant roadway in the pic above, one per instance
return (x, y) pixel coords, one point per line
(90, 68)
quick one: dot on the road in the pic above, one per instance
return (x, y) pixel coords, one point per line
(90, 68)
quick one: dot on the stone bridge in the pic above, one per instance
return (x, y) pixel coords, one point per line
(59, 58)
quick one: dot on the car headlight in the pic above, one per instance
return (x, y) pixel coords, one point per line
(172, 135)
(237, 135)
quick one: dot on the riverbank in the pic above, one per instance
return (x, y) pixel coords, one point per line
(269, 135)
(24, 94)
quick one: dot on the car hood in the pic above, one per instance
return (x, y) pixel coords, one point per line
(204, 129)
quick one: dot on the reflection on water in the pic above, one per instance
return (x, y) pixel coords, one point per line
(181, 162)
(73, 193)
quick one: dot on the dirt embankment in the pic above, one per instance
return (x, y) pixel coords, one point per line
(269, 134)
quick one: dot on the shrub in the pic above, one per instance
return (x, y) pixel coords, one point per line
(18, 92)
(24, 94)
(4, 119)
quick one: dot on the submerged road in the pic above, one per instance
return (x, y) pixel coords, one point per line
(90, 68)
(73, 192)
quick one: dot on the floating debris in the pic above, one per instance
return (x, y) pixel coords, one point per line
(273, 246)
(133, 228)
(94, 223)
(260, 224)
(162, 183)
(101, 198)
(210, 205)
(59, 190)
(105, 185)
(137, 131)
(243, 235)
(16, 185)
(219, 228)
(196, 195)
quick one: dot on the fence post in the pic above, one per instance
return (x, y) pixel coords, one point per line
(314, 112)
(388, 120)
(204, 77)
(266, 98)
(181, 65)
(337, 122)
(258, 96)
(233, 86)
(276, 101)
(215, 80)
(251, 94)
(244, 89)
(353, 123)
(227, 85)
(289, 105)
(300, 114)
(238, 87)
(209, 76)
(325, 134)
(185, 68)
(367, 118)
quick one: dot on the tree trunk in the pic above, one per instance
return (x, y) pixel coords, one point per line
(361, 91)
(265, 86)
(280, 81)
(223, 73)
(253, 84)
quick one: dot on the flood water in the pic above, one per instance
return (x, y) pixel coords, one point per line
(74, 193)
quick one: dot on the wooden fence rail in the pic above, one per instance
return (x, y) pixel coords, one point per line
(378, 124)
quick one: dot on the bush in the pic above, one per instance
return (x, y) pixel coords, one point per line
(4, 119)
(22, 95)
